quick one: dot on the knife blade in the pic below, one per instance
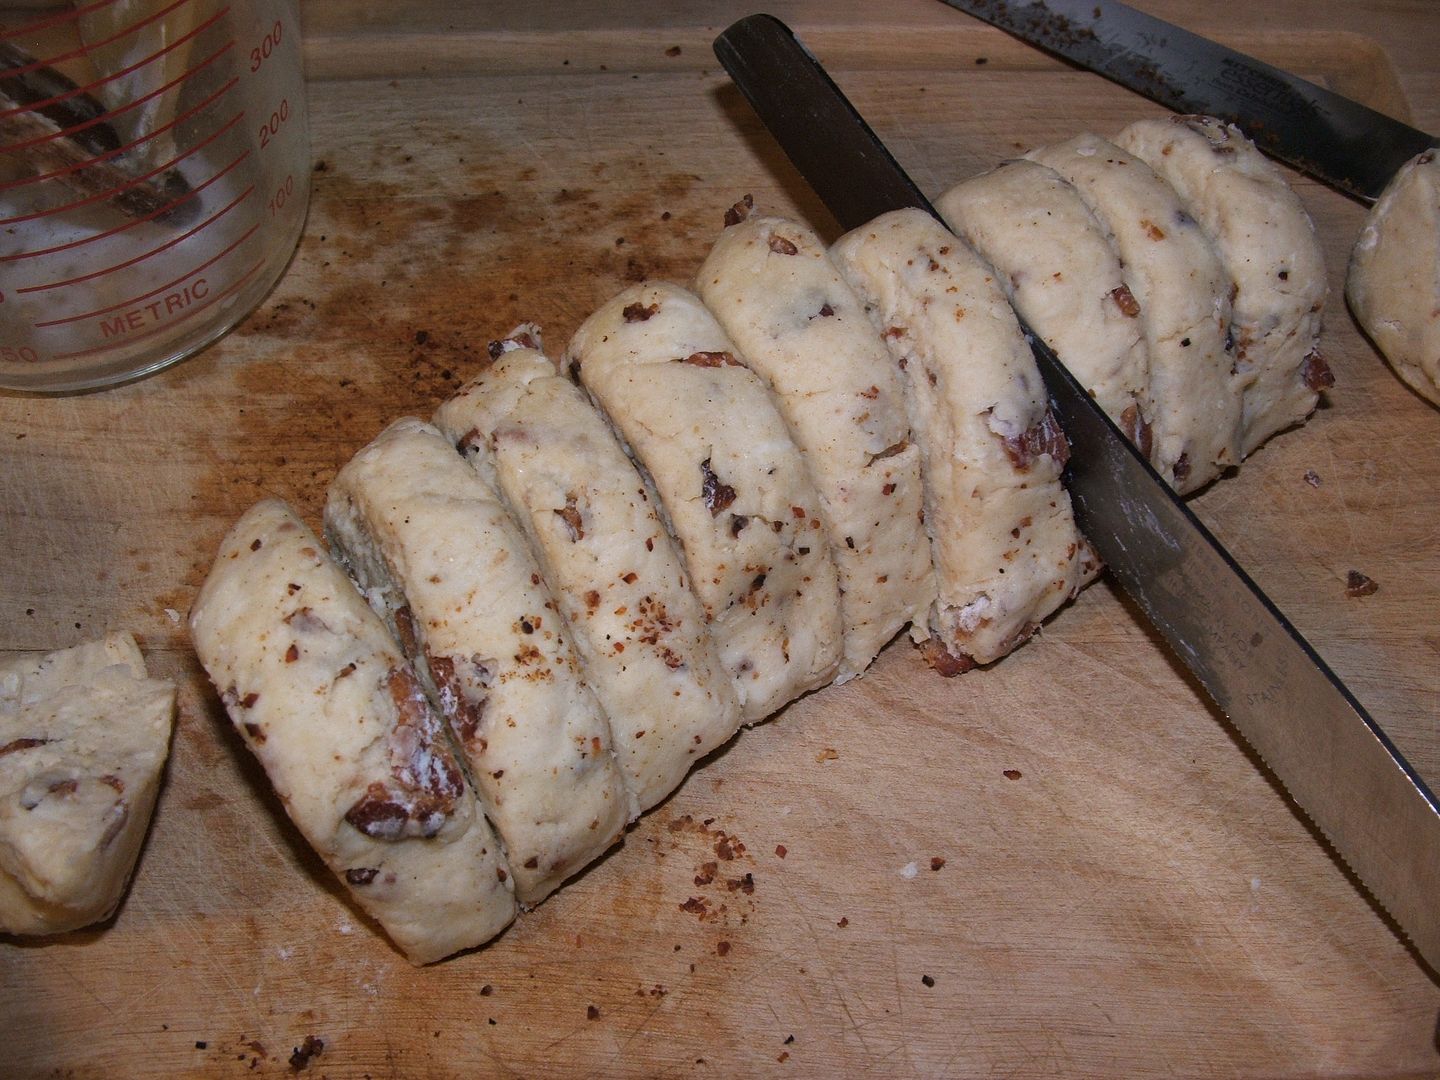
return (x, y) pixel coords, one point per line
(1324, 134)
(1333, 759)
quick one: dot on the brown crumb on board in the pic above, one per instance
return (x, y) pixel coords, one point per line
(312, 1047)
(1358, 584)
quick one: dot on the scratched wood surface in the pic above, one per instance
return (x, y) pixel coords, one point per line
(1063, 865)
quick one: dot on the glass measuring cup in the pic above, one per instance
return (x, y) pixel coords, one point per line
(154, 177)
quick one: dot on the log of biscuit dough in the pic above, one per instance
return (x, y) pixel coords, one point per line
(322, 695)
(1173, 272)
(84, 735)
(617, 578)
(1393, 280)
(733, 487)
(772, 287)
(1059, 269)
(1005, 546)
(1267, 244)
(438, 556)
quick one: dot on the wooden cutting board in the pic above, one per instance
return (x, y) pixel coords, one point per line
(1066, 864)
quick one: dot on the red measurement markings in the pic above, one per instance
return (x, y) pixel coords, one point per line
(145, 255)
(187, 302)
(127, 186)
(186, 115)
(136, 300)
(86, 49)
(173, 82)
(111, 113)
(57, 20)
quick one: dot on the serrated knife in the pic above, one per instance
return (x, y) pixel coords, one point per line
(1334, 139)
(1334, 760)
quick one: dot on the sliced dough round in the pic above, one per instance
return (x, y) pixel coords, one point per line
(1393, 281)
(733, 487)
(322, 695)
(616, 575)
(1174, 274)
(1005, 546)
(774, 290)
(436, 553)
(1058, 268)
(1267, 244)
(84, 735)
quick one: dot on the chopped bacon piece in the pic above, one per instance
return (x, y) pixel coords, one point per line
(943, 660)
(1125, 301)
(717, 496)
(740, 211)
(1316, 372)
(1044, 437)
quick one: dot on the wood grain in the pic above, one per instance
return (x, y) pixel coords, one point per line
(1123, 890)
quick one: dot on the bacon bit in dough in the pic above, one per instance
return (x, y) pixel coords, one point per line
(1125, 301)
(1137, 430)
(637, 312)
(571, 516)
(942, 660)
(1316, 372)
(717, 496)
(781, 246)
(1044, 438)
(712, 360)
(1358, 584)
(21, 744)
(828, 754)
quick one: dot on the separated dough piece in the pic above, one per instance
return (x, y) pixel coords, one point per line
(322, 695)
(438, 557)
(83, 740)
(615, 572)
(1058, 268)
(774, 290)
(1267, 244)
(1173, 272)
(734, 487)
(1006, 550)
(1393, 282)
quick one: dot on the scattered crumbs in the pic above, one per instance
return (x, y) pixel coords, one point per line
(783, 1056)
(284, 952)
(981, 61)
(345, 927)
(491, 1021)
(828, 754)
(1358, 584)
(1312, 478)
(780, 851)
(928, 980)
(844, 922)
(909, 870)
(486, 990)
(937, 861)
(592, 1012)
(789, 1039)
(172, 615)
(673, 50)
(201, 1044)
(1254, 884)
(1012, 774)
(312, 1047)
(722, 948)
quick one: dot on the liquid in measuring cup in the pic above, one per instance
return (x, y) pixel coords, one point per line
(154, 178)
